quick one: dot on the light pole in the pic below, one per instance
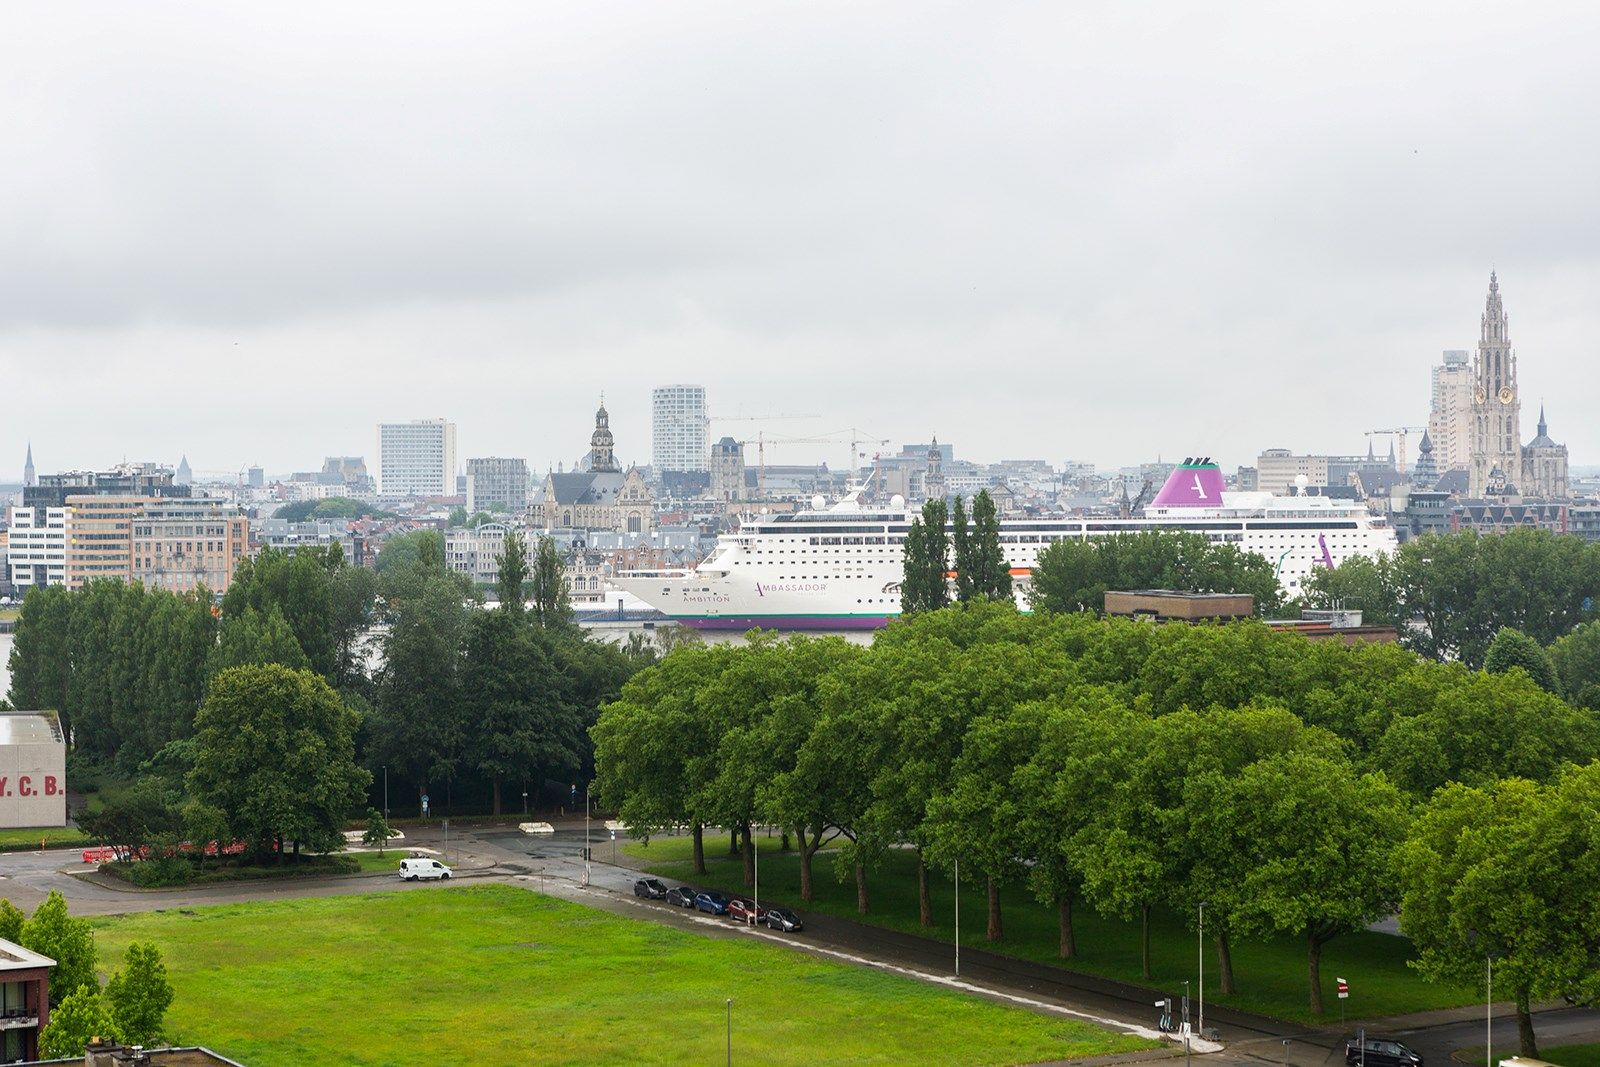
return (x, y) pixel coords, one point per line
(1202, 968)
(586, 786)
(730, 1032)
(1286, 1052)
(524, 798)
(385, 792)
(755, 852)
(958, 918)
(1488, 1008)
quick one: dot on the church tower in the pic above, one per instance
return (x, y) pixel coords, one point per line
(1544, 465)
(602, 450)
(933, 479)
(29, 477)
(1496, 408)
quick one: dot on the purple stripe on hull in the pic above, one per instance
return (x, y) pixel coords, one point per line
(784, 622)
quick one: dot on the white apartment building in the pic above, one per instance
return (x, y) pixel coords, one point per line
(1450, 412)
(417, 458)
(678, 428)
(476, 552)
(1277, 470)
(38, 552)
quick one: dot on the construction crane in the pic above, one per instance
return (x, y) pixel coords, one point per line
(1399, 434)
(856, 438)
(761, 442)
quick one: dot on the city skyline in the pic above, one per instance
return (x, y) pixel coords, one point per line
(1053, 232)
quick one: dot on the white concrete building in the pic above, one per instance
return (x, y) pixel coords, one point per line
(38, 552)
(1450, 412)
(417, 458)
(476, 552)
(678, 428)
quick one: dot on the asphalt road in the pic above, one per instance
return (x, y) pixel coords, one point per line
(554, 864)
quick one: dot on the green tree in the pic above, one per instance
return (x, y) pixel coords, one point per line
(144, 817)
(1577, 661)
(417, 548)
(513, 572)
(11, 920)
(1513, 648)
(1473, 727)
(551, 603)
(420, 723)
(1509, 870)
(377, 832)
(75, 1021)
(275, 750)
(41, 653)
(139, 995)
(991, 577)
(256, 637)
(354, 592)
(1313, 846)
(300, 585)
(203, 825)
(923, 585)
(68, 941)
(516, 695)
(1461, 588)
(641, 762)
(966, 565)
(1071, 576)
(1365, 583)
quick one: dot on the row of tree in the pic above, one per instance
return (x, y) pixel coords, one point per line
(462, 694)
(1107, 762)
(1450, 594)
(980, 568)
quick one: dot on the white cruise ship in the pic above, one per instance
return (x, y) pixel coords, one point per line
(839, 568)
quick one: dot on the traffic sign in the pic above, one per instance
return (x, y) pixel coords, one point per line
(1344, 988)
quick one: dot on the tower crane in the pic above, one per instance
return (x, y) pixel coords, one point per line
(1399, 434)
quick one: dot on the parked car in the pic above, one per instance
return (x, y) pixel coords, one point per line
(650, 889)
(415, 868)
(711, 901)
(1380, 1052)
(745, 910)
(783, 919)
(681, 897)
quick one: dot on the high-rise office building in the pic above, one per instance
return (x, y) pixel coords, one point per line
(496, 483)
(1450, 413)
(678, 429)
(417, 458)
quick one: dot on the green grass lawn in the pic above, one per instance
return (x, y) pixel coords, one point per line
(56, 836)
(497, 974)
(1271, 975)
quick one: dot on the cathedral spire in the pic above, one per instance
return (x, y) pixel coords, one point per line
(1544, 431)
(29, 478)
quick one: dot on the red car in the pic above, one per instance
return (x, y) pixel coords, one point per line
(745, 911)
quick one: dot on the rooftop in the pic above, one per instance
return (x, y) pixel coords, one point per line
(29, 728)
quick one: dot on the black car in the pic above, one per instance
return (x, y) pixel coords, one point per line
(682, 897)
(783, 919)
(650, 889)
(1380, 1052)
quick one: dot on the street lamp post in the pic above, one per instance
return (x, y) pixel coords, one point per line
(524, 799)
(1488, 1008)
(755, 846)
(1202, 968)
(385, 792)
(586, 787)
(730, 1032)
(958, 918)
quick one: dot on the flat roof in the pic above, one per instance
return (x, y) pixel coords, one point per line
(29, 728)
(14, 957)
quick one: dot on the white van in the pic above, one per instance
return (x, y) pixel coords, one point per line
(412, 869)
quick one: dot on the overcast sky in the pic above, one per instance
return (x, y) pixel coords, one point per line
(1091, 231)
